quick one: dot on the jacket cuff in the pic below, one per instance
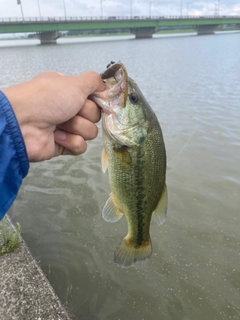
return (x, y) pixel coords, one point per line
(14, 164)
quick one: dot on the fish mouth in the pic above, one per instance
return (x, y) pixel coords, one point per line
(116, 93)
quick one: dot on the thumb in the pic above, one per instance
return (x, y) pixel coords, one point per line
(90, 82)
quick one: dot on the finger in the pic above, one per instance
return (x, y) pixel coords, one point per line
(90, 82)
(71, 143)
(80, 126)
(90, 111)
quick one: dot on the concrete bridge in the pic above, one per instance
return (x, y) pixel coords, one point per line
(49, 29)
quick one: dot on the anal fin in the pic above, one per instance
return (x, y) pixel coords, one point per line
(160, 212)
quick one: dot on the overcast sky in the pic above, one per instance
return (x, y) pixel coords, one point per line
(78, 8)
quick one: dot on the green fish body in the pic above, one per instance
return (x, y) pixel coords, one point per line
(135, 156)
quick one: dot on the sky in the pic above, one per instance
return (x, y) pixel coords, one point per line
(83, 8)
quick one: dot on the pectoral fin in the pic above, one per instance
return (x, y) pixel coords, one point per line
(160, 212)
(104, 160)
(110, 212)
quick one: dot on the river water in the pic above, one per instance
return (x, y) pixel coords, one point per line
(193, 84)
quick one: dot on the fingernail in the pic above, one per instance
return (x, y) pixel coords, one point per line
(60, 135)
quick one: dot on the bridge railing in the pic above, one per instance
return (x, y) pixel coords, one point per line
(109, 18)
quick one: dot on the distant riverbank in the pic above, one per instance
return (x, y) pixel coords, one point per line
(19, 42)
(119, 34)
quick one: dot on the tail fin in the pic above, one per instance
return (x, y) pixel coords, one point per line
(127, 254)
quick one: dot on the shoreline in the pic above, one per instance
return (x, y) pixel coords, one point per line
(25, 292)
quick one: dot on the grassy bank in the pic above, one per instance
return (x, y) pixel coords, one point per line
(10, 240)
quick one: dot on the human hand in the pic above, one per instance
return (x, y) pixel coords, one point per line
(54, 113)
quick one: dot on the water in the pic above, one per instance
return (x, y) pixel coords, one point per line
(193, 85)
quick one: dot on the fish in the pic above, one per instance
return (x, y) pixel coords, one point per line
(135, 156)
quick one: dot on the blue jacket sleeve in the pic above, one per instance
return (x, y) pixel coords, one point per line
(14, 164)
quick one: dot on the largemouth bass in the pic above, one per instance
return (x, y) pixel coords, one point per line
(135, 156)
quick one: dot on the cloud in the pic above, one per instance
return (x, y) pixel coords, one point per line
(81, 8)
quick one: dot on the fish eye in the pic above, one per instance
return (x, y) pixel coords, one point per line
(133, 97)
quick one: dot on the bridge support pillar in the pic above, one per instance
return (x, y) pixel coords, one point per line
(206, 29)
(143, 32)
(48, 37)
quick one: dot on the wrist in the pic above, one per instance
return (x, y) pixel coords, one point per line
(16, 99)
(23, 115)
